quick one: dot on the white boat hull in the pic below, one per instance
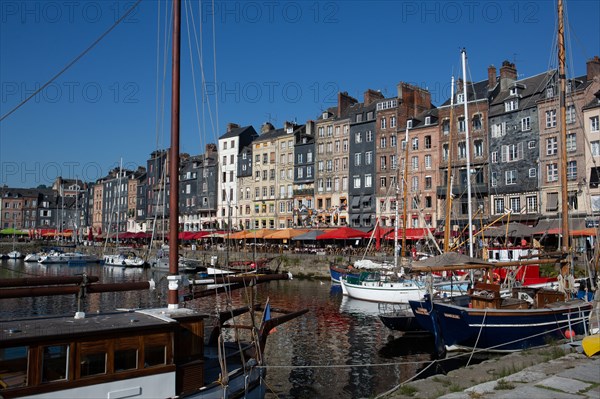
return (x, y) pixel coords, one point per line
(391, 292)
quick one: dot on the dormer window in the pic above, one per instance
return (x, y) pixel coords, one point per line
(513, 91)
(549, 91)
(511, 105)
(409, 124)
(428, 120)
(460, 98)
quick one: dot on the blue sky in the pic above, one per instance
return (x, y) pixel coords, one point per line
(275, 61)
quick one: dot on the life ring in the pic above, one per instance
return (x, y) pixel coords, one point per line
(496, 278)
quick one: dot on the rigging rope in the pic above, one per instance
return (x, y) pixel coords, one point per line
(72, 62)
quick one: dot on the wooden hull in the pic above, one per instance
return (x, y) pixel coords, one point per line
(501, 330)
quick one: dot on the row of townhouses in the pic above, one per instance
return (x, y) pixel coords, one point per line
(358, 163)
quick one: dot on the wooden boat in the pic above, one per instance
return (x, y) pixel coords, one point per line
(131, 353)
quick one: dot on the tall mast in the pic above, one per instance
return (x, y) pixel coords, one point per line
(405, 194)
(563, 129)
(174, 277)
(449, 176)
(468, 152)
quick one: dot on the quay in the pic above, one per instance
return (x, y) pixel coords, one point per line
(550, 372)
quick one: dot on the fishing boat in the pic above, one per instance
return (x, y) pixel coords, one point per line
(157, 353)
(531, 317)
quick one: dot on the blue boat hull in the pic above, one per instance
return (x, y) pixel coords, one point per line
(337, 273)
(502, 330)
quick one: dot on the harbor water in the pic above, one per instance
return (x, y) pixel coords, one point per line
(339, 349)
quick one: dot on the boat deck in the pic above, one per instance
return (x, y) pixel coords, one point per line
(13, 331)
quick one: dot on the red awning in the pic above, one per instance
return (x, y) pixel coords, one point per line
(343, 233)
(411, 233)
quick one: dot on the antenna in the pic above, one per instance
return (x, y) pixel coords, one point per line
(270, 118)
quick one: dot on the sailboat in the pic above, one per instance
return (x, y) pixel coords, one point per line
(483, 320)
(377, 286)
(14, 254)
(158, 353)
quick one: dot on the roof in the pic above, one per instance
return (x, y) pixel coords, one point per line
(475, 91)
(531, 90)
(238, 131)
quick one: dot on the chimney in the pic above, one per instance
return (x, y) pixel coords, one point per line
(371, 96)
(414, 98)
(593, 68)
(344, 101)
(508, 74)
(231, 126)
(266, 127)
(491, 77)
(310, 127)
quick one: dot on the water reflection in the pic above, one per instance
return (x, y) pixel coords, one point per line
(339, 349)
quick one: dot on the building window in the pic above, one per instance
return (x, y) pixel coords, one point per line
(511, 177)
(552, 146)
(532, 172)
(515, 204)
(445, 152)
(427, 161)
(427, 182)
(570, 114)
(446, 126)
(594, 124)
(393, 140)
(358, 137)
(415, 143)
(572, 200)
(368, 180)
(494, 179)
(415, 183)
(531, 204)
(572, 170)
(383, 142)
(356, 180)
(511, 105)
(476, 122)
(368, 157)
(369, 136)
(383, 182)
(498, 129)
(415, 163)
(494, 157)
(462, 150)
(392, 121)
(357, 159)
(383, 162)
(551, 118)
(552, 172)
(498, 205)
(571, 142)
(595, 148)
(526, 124)
(512, 152)
(478, 148)
(383, 123)
(461, 124)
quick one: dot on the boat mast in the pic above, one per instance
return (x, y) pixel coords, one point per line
(449, 175)
(468, 152)
(563, 130)
(404, 194)
(174, 277)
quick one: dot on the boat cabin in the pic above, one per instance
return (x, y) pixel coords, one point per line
(150, 353)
